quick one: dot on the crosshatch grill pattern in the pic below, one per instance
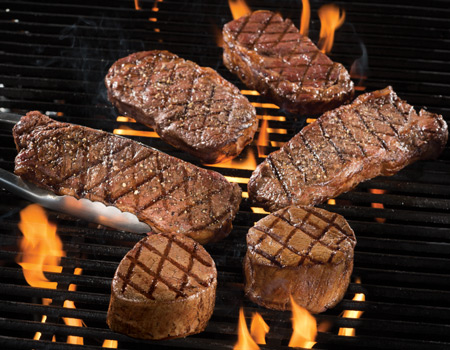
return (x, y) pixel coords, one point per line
(54, 59)
(297, 232)
(275, 38)
(156, 257)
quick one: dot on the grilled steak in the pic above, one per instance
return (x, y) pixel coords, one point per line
(299, 251)
(269, 54)
(168, 194)
(378, 134)
(191, 107)
(165, 287)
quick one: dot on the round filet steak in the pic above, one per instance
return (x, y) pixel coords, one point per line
(190, 107)
(303, 252)
(163, 288)
(269, 54)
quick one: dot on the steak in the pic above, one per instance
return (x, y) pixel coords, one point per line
(303, 252)
(378, 134)
(269, 54)
(190, 107)
(168, 194)
(165, 287)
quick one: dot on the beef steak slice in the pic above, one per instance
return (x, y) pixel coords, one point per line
(168, 194)
(190, 107)
(303, 252)
(269, 54)
(163, 288)
(378, 134)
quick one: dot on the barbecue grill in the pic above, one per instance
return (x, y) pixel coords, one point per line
(54, 58)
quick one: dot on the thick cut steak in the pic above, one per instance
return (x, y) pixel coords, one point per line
(191, 107)
(269, 54)
(303, 252)
(165, 287)
(167, 193)
(378, 134)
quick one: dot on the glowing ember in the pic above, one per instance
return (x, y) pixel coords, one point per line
(41, 248)
(350, 332)
(136, 5)
(332, 201)
(304, 20)
(330, 20)
(245, 341)
(258, 328)
(304, 327)
(111, 344)
(238, 8)
(378, 205)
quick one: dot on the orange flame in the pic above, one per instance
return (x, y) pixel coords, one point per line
(247, 161)
(258, 328)
(304, 327)
(245, 341)
(350, 332)
(263, 139)
(330, 20)
(304, 20)
(238, 8)
(136, 5)
(41, 248)
(41, 251)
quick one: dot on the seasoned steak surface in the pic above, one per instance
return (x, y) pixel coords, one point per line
(168, 194)
(378, 134)
(303, 252)
(191, 107)
(269, 54)
(163, 288)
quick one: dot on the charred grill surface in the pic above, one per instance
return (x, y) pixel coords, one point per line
(168, 194)
(165, 287)
(269, 54)
(191, 107)
(378, 134)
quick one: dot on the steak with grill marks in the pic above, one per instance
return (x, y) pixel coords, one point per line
(163, 288)
(269, 54)
(306, 253)
(190, 107)
(168, 194)
(378, 134)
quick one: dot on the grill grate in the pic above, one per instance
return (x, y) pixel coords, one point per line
(54, 58)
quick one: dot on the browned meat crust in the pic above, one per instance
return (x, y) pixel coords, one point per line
(269, 54)
(190, 107)
(378, 134)
(306, 253)
(167, 193)
(165, 287)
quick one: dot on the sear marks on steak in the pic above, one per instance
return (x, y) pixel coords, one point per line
(190, 107)
(269, 54)
(378, 134)
(167, 193)
(163, 288)
(303, 252)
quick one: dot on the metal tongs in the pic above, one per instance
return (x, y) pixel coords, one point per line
(82, 208)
